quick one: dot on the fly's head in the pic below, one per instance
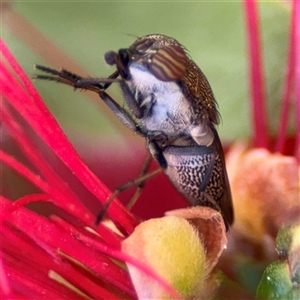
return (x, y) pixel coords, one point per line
(159, 55)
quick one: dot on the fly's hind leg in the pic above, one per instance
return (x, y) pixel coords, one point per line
(140, 186)
(139, 182)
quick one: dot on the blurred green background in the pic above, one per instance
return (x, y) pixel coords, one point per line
(213, 32)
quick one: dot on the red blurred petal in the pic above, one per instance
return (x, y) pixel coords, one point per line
(297, 73)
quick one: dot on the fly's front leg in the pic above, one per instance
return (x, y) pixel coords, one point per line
(97, 85)
(131, 101)
(122, 114)
(74, 80)
(118, 110)
(101, 83)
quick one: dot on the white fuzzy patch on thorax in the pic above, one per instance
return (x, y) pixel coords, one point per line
(146, 82)
(171, 112)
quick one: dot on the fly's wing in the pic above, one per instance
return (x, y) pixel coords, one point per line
(226, 199)
(197, 89)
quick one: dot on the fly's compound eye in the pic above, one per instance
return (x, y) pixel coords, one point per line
(169, 63)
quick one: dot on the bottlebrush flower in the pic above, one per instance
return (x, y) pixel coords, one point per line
(68, 256)
(35, 248)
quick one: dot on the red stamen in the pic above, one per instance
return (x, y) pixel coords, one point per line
(46, 127)
(117, 254)
(289, 80)
(50, 238)
(260, 134)
(78, 210)
(5, 288)
(296, 5)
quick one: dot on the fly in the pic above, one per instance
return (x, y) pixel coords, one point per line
(171, 104)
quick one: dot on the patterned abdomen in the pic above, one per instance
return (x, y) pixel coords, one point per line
(197, 173)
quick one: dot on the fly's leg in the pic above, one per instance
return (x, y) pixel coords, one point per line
(74, 80)
(139, 182)
(97, 85)
(122, 114)
(140, 186)
(155, 152)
